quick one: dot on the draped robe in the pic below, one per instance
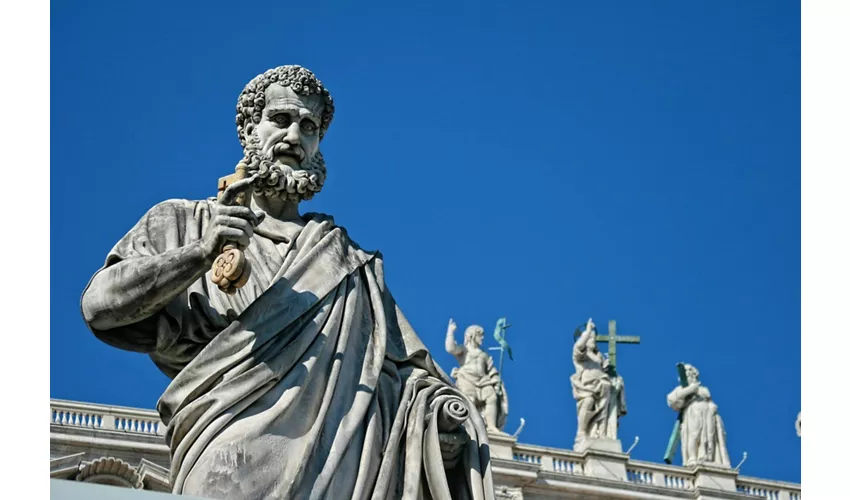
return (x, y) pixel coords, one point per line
(702, 425)
(607, 394)
(308, 382)
(474, 376)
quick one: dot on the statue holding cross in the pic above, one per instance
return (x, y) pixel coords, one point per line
(597, 387)
(699, 426)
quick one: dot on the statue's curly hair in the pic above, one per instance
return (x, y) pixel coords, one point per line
(252, 100)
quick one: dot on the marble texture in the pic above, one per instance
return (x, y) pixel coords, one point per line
(519, 470)
(477, 376)
(308, 381)
(703, 437)
(599, 392)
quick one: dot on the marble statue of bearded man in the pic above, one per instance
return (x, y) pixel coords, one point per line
(703, 436)
(306, 382)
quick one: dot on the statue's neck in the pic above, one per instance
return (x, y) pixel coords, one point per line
(282, 221)
(277, 208)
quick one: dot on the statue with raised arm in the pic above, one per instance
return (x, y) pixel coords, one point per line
(294, 374)
(702, 434)
(599, 391)
(477, 376)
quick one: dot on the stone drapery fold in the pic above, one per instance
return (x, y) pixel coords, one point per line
(306, 383)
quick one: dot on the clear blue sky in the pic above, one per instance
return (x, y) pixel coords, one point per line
(544, 161)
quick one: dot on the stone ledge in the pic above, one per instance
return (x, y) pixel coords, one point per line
(110, 443)
(513, 472)
(611, 487)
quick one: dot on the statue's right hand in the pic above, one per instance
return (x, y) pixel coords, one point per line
(452, 327)
(230, 225)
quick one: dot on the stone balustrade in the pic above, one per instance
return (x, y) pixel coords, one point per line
(665, 476)
(664, 480)
(549, 459)
(104, 417)
(770, 490)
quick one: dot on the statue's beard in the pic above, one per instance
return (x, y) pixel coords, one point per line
(282, 181)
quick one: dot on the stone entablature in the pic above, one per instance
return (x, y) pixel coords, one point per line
(108, 445)
(86, 434)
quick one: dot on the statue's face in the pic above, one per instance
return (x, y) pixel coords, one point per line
(288, 131)
(474, 335)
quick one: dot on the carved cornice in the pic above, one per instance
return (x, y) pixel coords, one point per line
(110, 470)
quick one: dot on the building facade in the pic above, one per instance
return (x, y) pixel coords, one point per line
(125, 447)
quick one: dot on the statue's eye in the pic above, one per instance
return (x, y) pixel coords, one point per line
(282, 119)
(308, 126)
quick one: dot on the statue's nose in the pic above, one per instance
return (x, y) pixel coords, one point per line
(293, 134)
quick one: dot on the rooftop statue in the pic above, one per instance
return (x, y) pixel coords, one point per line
(701, 430)
(477, 376)
(598, 390)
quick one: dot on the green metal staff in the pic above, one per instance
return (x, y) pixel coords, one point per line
(501, 329)
(676, 435)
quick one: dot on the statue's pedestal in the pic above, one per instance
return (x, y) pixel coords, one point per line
(604, 458)
(600, 444)
(501, 445)
(715, 477)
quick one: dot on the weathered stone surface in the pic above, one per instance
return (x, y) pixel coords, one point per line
(477, 376)
(598, 390)
(519, 470)
(308, 380)
(703, 437)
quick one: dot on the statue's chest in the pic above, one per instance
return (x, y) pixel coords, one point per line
(477, 360)
(269, 259)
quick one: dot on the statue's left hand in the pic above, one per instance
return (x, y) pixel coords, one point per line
(452, 445)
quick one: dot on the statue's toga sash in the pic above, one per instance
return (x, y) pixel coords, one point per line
(324, 362)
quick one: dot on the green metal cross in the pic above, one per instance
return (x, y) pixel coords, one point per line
(612, 338)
